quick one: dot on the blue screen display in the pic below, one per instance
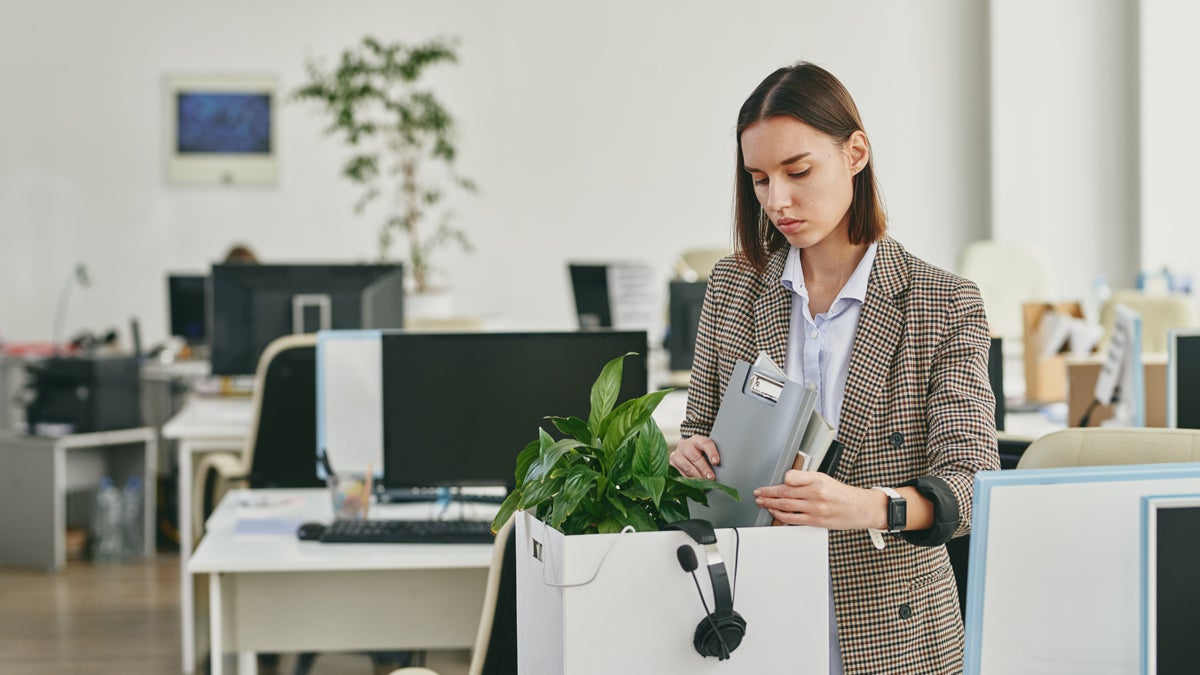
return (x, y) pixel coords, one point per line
(223, 123)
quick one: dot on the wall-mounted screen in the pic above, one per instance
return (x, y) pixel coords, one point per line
(220, 129)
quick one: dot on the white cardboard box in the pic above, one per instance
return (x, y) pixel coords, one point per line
(622, 604)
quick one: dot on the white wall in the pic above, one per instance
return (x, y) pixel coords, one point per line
(1064, 129)
(1170, 137)
(596, 130)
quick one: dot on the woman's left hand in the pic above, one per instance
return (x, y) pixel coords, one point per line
(815, 498)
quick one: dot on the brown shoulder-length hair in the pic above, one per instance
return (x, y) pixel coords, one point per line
(814, 96)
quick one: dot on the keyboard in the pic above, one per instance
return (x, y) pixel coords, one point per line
(409, 532)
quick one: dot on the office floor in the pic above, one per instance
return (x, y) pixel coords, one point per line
(121, 618)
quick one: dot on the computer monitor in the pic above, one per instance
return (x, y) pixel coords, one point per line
(619, 295)
(1171, 538)
(996, 378)
(186, 298)
(251, 305)
(589, 284)
(685, 299)
(1183, 378)
(1122, 380)
(460, 407)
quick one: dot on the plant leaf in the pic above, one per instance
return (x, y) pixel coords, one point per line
(604, 393)
(507, 508)
(653, 485)
(620, 425)
(579, 481)
(705, 484)
(650, 455)
(573, 426)
(524, 460)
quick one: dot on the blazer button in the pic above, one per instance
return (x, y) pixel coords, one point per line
(897, 439)
(905, 611)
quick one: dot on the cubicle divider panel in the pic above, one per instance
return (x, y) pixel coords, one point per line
(350, 400)
(1055, 579)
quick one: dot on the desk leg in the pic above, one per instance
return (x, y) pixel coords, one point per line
(216, 611)
(187, 603)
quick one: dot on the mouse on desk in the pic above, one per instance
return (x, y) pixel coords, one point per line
(310, 531)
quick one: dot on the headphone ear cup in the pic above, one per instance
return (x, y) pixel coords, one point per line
(716, 634)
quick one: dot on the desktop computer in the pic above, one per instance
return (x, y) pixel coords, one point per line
(251, 305)
(685, 299)
(1183, 379)
(186, 299)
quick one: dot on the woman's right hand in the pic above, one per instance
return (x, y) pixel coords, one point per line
(695, 457)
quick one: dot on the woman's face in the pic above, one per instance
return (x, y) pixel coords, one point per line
(804, 179)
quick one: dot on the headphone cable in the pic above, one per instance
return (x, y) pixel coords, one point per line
(725, 651)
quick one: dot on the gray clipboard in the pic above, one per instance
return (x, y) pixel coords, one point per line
(758, 429)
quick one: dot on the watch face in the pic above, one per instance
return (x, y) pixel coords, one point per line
(897, 514)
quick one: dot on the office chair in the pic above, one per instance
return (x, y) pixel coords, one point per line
(495, 651)
(280, 451)
(1159, 313)
(695, 264)
(1008, 276)
(1106, 446)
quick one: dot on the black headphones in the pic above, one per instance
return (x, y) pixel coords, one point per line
(722, 630)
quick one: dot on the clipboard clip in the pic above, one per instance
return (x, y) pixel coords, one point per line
(766, 387)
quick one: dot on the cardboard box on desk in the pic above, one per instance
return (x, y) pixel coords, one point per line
(621, 603)
(1081, 383)
(1045, 378)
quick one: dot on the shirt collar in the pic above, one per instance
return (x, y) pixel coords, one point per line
(855, 288)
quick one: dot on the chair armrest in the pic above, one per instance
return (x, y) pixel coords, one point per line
(229, 467)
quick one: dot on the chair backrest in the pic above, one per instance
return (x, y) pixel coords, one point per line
(496, 642)
(1159, 314)
(1008, 275)
(283, 440)
(695, 264)
(1105, 446)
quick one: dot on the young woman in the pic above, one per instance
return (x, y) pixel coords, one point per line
(897, 350)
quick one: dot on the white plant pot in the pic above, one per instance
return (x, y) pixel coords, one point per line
(435, 304)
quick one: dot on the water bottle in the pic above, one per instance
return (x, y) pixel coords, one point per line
(132, 505)
(107, 538)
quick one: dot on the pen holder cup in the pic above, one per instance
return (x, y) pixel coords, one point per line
(351, 494)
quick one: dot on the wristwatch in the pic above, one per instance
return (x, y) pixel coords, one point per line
(897, 516)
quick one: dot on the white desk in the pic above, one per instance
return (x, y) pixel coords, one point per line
(39, 472)
(276, 593)
(203, 425)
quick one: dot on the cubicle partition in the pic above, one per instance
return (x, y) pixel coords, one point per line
(1056, 573)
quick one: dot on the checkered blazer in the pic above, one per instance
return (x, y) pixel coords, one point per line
(917, 403)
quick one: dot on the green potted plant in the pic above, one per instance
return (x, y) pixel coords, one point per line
(606, 472)
(401, 140)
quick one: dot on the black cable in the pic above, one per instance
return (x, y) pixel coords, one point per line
(737, 549)
(725, 651)
(1087, 412)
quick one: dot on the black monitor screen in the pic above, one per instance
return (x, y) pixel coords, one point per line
(186, 299)
(1186, 371)
(251, 305)
(459, 407)
(1177, 587)
(996, 378)
(589, 284)
(686, 299)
